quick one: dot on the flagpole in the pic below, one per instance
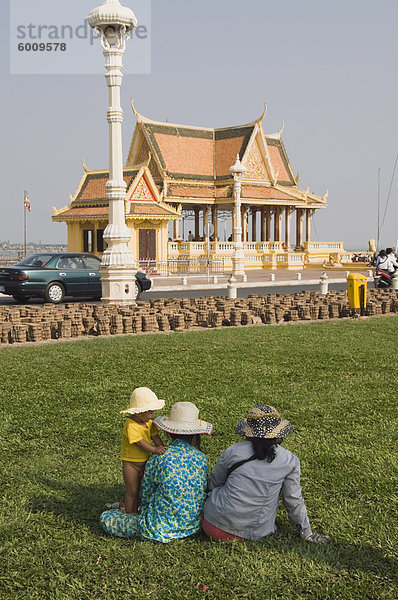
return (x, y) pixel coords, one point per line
(378, 209)
(24, 228)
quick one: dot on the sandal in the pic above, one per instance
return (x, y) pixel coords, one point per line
(110, 505)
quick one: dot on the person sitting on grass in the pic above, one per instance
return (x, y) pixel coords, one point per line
(173, 488)
(138, 433)
(249, 477)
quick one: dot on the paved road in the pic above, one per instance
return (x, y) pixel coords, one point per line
(242, 293)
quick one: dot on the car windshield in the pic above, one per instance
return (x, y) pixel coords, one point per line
(35, 260)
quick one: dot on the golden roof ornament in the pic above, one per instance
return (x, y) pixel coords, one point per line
(137, 114)
(263, 113)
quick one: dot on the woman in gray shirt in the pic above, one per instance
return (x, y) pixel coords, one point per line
(248, 479)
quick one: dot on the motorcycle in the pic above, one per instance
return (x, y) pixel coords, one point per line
(382, 279)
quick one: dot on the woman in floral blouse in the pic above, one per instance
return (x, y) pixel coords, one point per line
(173, 488)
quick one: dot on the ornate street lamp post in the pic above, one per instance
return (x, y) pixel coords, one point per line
(114, 24)
(238, 257)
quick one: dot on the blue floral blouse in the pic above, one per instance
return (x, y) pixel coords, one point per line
(173, 493)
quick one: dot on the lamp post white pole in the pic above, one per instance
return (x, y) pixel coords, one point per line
(114, 23)
(238, 257)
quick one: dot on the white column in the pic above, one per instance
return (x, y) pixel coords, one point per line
(176, 229)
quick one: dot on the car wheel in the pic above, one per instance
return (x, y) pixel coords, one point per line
(54, 293)
(137, 290)
(20, 299)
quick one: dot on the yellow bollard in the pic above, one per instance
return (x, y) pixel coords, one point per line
(356, 291)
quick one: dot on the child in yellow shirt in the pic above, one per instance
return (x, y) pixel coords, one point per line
(138, 434)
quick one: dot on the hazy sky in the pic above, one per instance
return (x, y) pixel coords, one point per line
(328, 68)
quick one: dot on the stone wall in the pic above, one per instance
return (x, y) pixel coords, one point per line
(37, 323)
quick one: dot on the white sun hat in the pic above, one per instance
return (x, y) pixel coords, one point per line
(184, 419)
(143, 399)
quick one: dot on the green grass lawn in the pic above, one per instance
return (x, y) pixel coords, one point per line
(59, 449)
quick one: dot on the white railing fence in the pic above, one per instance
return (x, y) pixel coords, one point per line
(184, 266)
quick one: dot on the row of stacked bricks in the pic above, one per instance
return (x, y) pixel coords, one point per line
(35, 323)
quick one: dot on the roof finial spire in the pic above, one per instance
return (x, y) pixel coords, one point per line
(263, 113)
(138, 116)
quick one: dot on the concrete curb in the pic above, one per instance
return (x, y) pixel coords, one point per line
(247, 284)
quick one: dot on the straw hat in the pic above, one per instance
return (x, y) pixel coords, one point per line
(263, 422)
(184, 420)
(143, 399)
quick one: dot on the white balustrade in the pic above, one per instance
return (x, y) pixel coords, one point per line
(324, 245)
(258, 254)
(296, 258)
(225, 247)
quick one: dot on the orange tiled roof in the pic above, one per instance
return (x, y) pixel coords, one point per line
(136, 209)
(149, 209)
(228, 143)
(186, 155)
(265, 193)
(197, 153)
(280, 161)
(225, 191)
(191, 191)
(93, 187)
(84, 211)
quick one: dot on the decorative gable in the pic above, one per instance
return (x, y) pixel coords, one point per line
(142, 155)
(142, 192)
(254, 164)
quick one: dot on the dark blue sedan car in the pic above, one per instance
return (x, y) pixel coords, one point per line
(53, 276)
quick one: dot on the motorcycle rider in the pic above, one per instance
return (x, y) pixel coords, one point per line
(393, 264)
(382, 261)
(384, 270)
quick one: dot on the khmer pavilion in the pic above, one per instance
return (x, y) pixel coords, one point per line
(178, 179)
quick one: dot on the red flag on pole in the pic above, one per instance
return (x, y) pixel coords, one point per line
(26, 200)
